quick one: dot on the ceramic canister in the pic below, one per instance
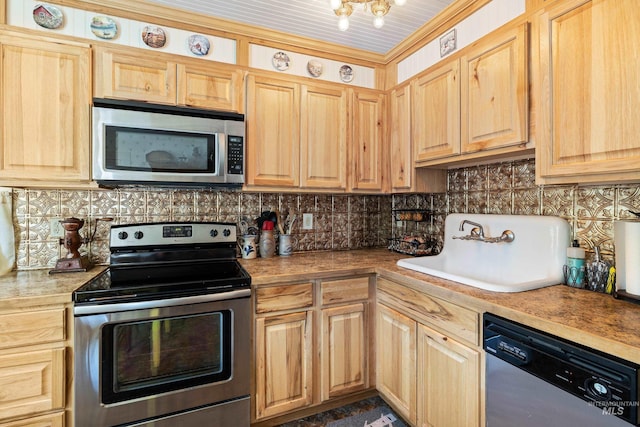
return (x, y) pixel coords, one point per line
(285, 244)
(248, 246)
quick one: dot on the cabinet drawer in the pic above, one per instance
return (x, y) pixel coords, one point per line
(345, 290)
(29, 328)
(286, 297)
(456, 320)
(31, 382)
(49, 420)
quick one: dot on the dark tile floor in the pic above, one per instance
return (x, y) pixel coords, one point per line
(324, 418)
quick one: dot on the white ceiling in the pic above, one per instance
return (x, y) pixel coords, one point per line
(316, 20)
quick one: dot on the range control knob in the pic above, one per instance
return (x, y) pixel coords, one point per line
(123, 235)
(138, 235)
(226, 232)
(213, 233)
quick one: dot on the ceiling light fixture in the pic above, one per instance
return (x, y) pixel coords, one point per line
(378, 8)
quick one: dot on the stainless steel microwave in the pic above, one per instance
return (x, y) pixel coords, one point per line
(136, 143)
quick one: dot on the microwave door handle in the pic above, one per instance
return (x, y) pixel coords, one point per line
(221, 154)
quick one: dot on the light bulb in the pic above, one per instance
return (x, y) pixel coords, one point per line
(335, 4)
(378, 21)
(400, 2)
(343, 23)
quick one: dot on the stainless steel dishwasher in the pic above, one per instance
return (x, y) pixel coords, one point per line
(534, 379)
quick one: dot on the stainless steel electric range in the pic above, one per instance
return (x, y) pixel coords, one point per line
(162, 335)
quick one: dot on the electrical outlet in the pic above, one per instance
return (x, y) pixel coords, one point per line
(307, 221)
(56, 229)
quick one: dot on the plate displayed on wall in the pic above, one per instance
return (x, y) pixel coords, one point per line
(104, 27)
(198, 45)
(281, 61)
(346, 73)
(314, 67)
(47, 16)
(154, 36)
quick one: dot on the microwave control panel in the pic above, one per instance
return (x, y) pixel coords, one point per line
(235, 155)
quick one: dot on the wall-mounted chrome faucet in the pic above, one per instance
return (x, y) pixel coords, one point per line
(477, 233)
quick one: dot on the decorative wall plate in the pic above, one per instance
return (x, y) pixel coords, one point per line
(104, 27)
(47, 16)
(346, 73)
(154, 36)
(198, 45)
(281, 61)
(314, 67)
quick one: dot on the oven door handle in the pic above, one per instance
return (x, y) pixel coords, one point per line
(82, 310)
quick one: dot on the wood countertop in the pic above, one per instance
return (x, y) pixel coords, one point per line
(595, 320)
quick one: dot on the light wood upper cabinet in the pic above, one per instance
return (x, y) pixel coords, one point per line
(273, 132)
(400, 147)
(368, 150)
(494, 91)
(436, 113)
(45, 117)
(588, 117)
(161, 79)
(209, 87)
(296, 134)
(323, 137)
(129, 75)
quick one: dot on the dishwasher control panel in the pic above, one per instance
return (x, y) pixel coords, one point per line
(600, 379)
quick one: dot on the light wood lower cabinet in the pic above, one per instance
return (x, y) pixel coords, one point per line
(396, 361)
(431, 378)
(33, 368)
(449, 381)
(311, 343)
(283, 360)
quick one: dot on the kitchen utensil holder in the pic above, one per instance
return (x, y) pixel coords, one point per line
(574, 276)
(597, 276)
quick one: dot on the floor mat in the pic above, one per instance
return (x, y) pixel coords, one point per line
(348, 413)
(382, 416)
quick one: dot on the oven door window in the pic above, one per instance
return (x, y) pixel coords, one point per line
(155, 150)
(154, 356)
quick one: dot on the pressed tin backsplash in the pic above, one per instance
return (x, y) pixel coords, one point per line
(341, 222)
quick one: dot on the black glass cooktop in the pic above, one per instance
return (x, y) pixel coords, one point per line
(159, 280)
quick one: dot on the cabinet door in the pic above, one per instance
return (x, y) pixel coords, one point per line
(448, 381)
(46, 104)
(209, 87)
(344, 350)
(323, 137)
(588, 120)
(369, 162)
(401, 159)
(436, 113)
(283, 363)
(273, 132)
(32, 382)
(494, 91)
(396, 361)
(124, 75)
(49, 420)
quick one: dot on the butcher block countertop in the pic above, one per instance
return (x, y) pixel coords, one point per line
(595, 320)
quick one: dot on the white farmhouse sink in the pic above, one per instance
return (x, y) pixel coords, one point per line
(533, 260)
